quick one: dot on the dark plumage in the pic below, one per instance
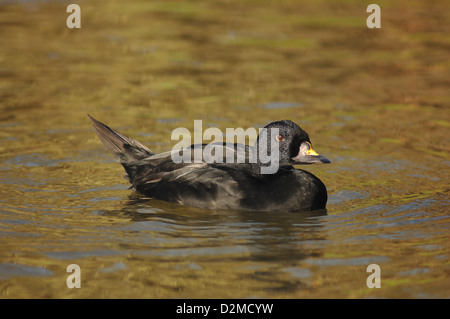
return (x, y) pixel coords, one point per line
(215, 185)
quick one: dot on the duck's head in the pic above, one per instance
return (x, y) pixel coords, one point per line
(293, 143)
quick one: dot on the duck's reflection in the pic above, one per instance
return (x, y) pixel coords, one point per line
(265, 236)
(282, 236)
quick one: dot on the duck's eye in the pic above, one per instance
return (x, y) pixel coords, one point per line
(280, 138)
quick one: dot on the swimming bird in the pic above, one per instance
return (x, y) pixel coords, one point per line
(221, 184)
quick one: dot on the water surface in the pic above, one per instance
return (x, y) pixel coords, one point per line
(375, 102)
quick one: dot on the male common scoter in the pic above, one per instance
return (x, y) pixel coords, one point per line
(214, 185)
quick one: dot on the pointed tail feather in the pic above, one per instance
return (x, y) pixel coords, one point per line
(125, 149)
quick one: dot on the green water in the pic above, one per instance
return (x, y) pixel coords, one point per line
(374, 101)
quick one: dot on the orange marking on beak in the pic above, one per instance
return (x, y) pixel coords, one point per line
(311, 151)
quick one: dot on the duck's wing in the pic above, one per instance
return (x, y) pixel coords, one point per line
(180, 177)
(193, 184)
(199, 184)
(177, 163)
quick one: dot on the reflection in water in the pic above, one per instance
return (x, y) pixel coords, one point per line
(241, 237)
(265, 235)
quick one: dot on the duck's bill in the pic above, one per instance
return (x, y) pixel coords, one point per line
(307, 155)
